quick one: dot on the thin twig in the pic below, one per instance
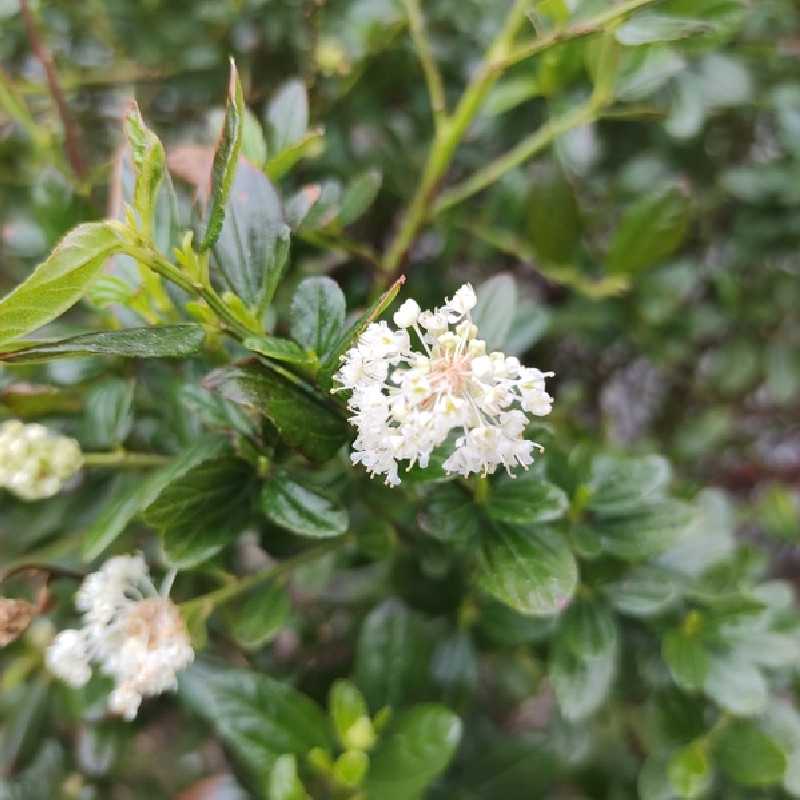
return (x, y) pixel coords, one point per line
(433, 77)
(71, 130)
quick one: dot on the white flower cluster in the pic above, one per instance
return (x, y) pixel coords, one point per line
(34, 462)
(134, 633)
(405, 403)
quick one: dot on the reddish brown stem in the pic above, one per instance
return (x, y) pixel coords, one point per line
(71, 131)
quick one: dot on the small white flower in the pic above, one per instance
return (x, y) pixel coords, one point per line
(34, 462)
(405, 403)
(135, 634)
(407, 314)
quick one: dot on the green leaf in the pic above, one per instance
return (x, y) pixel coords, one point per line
(450, 515)
(533, 571)
(130, 495)
(309, 145)
(748, 755)
(149, 164)
(317, 315)
(108, 418)
(278, 349)
(350, 768)
(359, 195)
(258, 718)
(253, 245)
(643, 591)
(350, 716)
(554, 221)
(198, 513)
(349, 337)
(494, 313)
(60, 281)
(303, 419)
(650, 231)
(690, 771)
(526, 500)
(619, 484)
(737, 686)
(388, 655)
(302, 509)
(287, 116)
(651, 27)
(254, 145)
(646, 532)
(162, 341)
(417, 748)
(284, 781)
(584, 660)
(226, 160)
(259, 616)
(687, 659)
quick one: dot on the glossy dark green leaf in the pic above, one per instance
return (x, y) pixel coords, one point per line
(417, 748)
(255, 619)
(388, 655)
(162, 341)
(317, 315)
(643, 591)
(278, 349)
(526, 499)
(554, 221)
(108, 418)
(349, 337)
(736, 685)
(450, 515)
(650, 231)
(494, 313)
(303, 419)
(199, 512)
(226, 160)
(59, 281)
(646, 532)
(131, 494)
(748, 755)
(252, 249)
(301, 508)
(258, 718)
(532, 570)
(619, 484)
(584, 658)
(287, 116)
(687, 658)
(359, 195)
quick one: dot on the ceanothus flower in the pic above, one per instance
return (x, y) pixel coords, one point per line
(135, 633)
(406, 402)
(35, 462)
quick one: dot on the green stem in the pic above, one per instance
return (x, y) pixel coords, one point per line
(587, 28)
(526, 149)
(481, 491)
(124, 458)
(433, 77)
(150, 257)
(449, 135)
(235, 588)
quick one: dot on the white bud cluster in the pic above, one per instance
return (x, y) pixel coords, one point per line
(134, 633)
(405, 403)
(34, 462)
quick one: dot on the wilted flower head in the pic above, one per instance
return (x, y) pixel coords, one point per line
(15, 617)
(34, 462)
(406, 402)
(134, 633)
